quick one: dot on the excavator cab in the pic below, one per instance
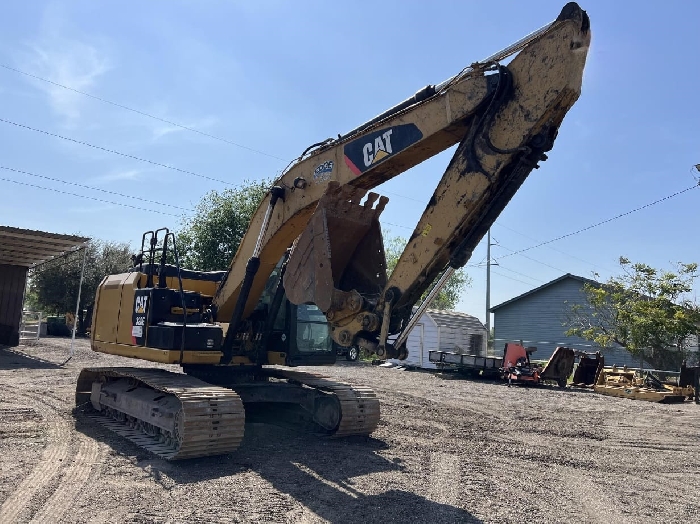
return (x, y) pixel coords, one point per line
(293, 335)
(302, 334)
(311, 335)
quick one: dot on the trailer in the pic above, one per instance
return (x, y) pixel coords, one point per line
(487, 367)
(514, 366)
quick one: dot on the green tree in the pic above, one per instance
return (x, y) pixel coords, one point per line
(645, 310)
(208, 239)
(449, 296)
(53, 287)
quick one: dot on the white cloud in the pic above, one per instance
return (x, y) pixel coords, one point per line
(115, 176)
(58, 57)
(167, 129)
(88, 209)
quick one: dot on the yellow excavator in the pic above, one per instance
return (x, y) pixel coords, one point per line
(310, 272)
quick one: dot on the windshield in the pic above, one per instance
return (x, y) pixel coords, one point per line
(312, 330)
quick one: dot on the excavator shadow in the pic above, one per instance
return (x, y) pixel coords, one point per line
(333, 479)
(12, 359)
(325, 475)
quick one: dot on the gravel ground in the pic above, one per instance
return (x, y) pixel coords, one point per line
(446, 450)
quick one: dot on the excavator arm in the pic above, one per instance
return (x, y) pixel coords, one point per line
(503, 118)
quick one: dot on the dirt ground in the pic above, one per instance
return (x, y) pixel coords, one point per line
(446, 450)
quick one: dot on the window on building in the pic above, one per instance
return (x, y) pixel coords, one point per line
(476, 342)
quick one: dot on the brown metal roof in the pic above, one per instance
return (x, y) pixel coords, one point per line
(29, 248)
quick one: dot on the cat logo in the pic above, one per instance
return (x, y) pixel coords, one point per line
(140, 304)
(364, 153)
(381, 149)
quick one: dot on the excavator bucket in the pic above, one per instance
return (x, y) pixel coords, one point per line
(559, 366)
(340, 250)
(587, 370)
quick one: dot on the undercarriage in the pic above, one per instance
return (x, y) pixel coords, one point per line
(178, 416)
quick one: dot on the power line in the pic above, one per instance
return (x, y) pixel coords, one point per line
(550, 247)
(93, 188)
(398, 225)
(142, 113)
(113, 151)
(521, 274)
(478, 264)
(530, 258)
(520, 251)
(602, 222)
(511, 278)
(404, 196)
(87, 196)
(540, 262)
(498, 244)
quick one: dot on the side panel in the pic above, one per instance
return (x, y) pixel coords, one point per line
(117, 311)
(128, 288)
(106, 314)
(12, 282)
(160, 355)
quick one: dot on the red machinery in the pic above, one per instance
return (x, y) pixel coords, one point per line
(518, 368)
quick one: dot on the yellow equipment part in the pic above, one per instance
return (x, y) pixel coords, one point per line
(112, 324)
(624, 383)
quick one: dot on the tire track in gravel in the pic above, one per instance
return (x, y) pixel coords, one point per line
(71, 484)
(107, 515)
(53, 462)
(593, 502)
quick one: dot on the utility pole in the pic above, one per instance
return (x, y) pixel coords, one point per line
(488, 285)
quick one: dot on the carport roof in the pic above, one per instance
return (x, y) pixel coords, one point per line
(29, 248)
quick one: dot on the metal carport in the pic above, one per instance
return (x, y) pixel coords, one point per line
(20, 251)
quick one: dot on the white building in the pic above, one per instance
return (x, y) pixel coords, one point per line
(444, 331)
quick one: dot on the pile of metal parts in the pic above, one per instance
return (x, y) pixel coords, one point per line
(628, 383)
(519, 369)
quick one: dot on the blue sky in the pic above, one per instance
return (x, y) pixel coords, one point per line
(276, 76)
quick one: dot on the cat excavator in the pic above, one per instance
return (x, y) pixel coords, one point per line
(310, 272)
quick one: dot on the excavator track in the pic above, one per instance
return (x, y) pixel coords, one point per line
(191, 419)
(359, 405)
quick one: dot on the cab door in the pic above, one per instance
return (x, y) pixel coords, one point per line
(310, 342)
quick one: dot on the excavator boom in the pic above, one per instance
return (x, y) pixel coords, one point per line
(504, 119)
